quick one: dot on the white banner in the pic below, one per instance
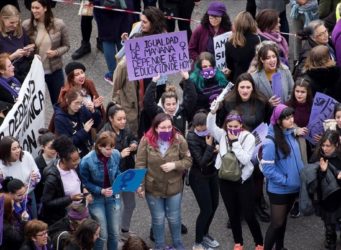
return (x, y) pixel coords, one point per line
(28, 114)
(219, 48)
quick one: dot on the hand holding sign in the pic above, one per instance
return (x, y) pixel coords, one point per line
(129, 180)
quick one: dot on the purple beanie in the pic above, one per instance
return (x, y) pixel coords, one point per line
(78, 213)
(216, 9)
(276, 113)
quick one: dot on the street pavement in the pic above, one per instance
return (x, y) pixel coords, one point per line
(303, 233)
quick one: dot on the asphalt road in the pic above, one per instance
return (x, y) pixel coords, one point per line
(304, 233)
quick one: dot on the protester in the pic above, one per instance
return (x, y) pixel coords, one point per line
(269, 64)
(282, 162)
(62, 184)
(319, 67)
(215, 21)
(337, 117)
(302, 13)
(328, 156)
(165, 153)
(238, 196)
(209, 81)
(9, 85)
(169, 104)
(75, 118)
(135, 243)
(13, 40)
(61, 231)
(268, 29)
(85, 236)
(11, 2)
(314, 34)
(46, 157)
(13, 226)
(126, 143)
(50, 36)
(5, 107)
(76, 78)
(203, 179)
(98, 170)
(336, 36)
(254, 109)
(111, 36)
(19, 164)
(240, 48)
(36, 236)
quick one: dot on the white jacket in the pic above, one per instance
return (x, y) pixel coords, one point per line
(243, 152)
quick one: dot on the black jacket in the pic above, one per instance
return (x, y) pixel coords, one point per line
(41, 164)
(123, 140)
(202, 154)
(60, 231)
(13, 236)
(185, 109)
(54, 199)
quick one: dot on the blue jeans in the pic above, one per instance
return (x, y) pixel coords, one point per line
(109, 50)
(170, 208)
(54, 81)
(106, 211)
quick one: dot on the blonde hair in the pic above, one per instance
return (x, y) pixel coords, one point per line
(243, 24)
(7, 12)
(318, 57)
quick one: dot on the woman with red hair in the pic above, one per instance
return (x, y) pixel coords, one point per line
(164, 151)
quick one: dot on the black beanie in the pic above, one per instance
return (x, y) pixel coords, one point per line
(72, 66)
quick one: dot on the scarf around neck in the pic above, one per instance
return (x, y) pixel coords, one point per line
(278, 39)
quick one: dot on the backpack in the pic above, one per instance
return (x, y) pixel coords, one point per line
(230, 169)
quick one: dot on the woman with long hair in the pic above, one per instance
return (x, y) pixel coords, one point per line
(240, 48)
(318, 67)
(165, 153)
(75, 118)
(269, 64)
(14, 40)
(19, 164)
(238, 196)
(50, 36)
(208, 80)
(98, 170)
(281, 162)
(215, 21)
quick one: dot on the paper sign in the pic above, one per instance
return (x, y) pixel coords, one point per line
(163, 54)
(322, 109)
(277, 85)
(129, 180)
(259, 133)
(219, 48)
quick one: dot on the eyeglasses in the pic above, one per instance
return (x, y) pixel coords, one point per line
(44, 233)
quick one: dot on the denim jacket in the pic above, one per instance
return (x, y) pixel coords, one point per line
(92, 171)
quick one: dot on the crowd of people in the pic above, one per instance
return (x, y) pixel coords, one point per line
(186, 133)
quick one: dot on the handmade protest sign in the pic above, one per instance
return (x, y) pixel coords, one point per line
(129, 180)
(219, 48)
(163, 54)
(322, 109)
(276, 85)
(27, 115)
(259, 133)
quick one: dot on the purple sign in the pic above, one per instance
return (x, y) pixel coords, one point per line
(259, 133)
(277, 85)
(322, 109)
(162, 54)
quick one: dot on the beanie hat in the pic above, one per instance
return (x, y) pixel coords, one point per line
(216, 9)
(72, 66)
(276, 113)
(79, 212)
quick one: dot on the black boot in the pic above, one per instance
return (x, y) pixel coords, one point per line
(184, 229)
(84, 49)
(330, 241)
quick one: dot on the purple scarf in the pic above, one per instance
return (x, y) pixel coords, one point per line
(278, 39)
(6, 84)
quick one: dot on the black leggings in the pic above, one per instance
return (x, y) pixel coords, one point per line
(239, 200)
(86, 28)
(206, 192)
(280, 205)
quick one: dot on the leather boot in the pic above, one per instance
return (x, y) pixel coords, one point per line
(330, 241)
(84, 49)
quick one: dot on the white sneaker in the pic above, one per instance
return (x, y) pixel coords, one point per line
(200, 247)
(210, 241)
